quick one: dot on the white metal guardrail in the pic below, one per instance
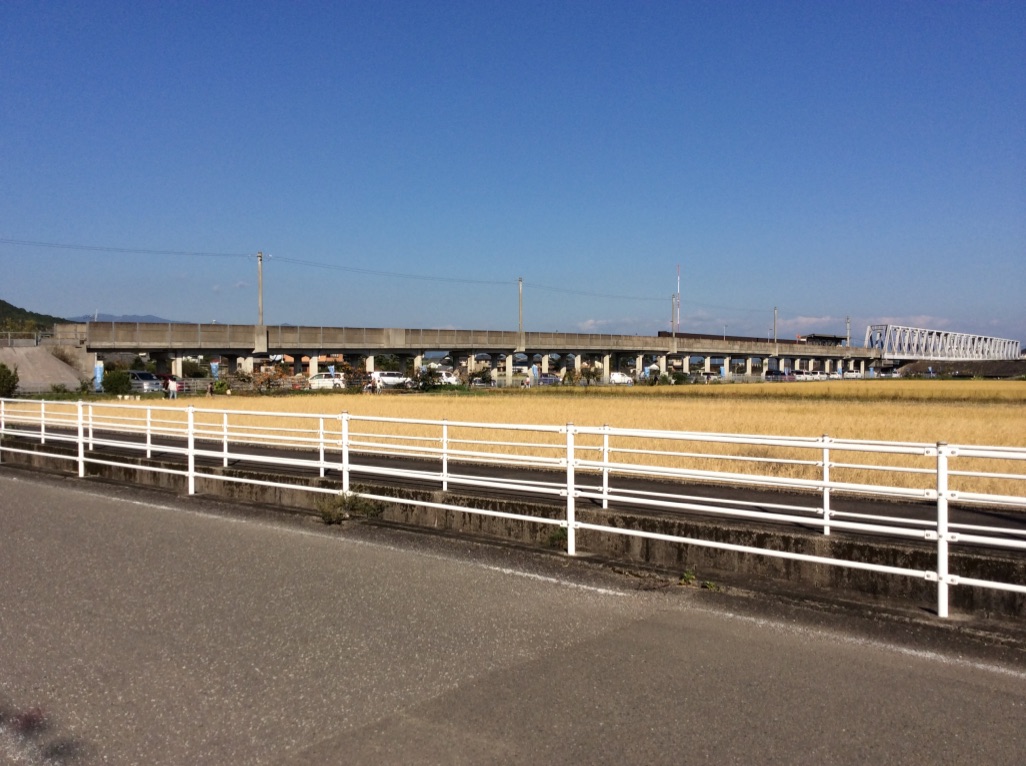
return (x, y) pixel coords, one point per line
(573, 463)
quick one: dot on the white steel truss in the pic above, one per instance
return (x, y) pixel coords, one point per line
(897, 342)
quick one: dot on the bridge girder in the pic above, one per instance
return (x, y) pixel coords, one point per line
(900, 343)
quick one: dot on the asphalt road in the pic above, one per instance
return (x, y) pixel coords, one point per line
(145, 629)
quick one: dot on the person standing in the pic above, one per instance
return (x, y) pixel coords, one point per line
(172, 389)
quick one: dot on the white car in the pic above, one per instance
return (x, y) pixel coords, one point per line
(328, 380)
(389, 379)
(620, 379)
(447, 378)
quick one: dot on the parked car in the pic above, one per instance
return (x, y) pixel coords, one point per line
(447, 378)
(328, 380)
(549, 379)
(389, 379)
(440, 376)
(779, 376)
(145, 382)
(620, 379)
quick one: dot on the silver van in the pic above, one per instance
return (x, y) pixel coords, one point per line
(145, 382)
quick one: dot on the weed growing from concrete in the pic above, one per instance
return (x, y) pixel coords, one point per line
(342, 507)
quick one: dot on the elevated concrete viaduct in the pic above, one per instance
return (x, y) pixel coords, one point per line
(240, 344)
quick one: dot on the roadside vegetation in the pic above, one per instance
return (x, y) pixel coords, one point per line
(8, 381)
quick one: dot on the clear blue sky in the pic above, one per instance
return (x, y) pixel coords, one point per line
(862, 159)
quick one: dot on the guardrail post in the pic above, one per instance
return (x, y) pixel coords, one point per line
(445, 456)
(345, 452)
(149, 431)
(191, 448)
(605, 467)
(571, 521)
(3, 426)
(826, 484)
(224, 440)
(91, 444)
(320, 441)
(42, 421)
(942, 529)
(81, 439)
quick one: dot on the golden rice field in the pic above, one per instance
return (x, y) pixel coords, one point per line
(972, 412)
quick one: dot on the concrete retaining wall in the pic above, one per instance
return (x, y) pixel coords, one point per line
(705, 563)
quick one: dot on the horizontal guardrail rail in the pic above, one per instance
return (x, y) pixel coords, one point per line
(571, 463)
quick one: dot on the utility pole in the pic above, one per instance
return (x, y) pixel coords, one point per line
(520, 306)
(676, 322)
(847, 330)
(260, 288)
(774, 324)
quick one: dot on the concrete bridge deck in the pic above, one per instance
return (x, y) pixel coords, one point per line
(243, 341)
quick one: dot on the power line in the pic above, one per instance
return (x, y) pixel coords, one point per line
(125, 250)
(566, 291)
(374, 272)
(319, 265)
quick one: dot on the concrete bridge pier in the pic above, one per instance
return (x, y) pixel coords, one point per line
(246, 364)
(163, 362)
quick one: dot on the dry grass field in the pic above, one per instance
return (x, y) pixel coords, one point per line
(975, 412)
(972, 411)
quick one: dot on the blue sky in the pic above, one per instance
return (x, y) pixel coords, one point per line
(404, 163)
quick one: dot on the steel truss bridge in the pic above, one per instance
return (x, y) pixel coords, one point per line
(907, 343)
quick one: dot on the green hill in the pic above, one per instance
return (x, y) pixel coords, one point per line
(14, 319)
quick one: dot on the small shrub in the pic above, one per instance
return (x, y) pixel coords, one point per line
(8, 381)
(63, 354)
(558, 538)
(117, 382)
(688, 578)
(193, 369)
(342, 507)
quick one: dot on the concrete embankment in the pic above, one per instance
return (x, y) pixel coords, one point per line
(679, 559)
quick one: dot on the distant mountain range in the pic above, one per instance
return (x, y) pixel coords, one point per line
(121, 318)
(23, 320)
